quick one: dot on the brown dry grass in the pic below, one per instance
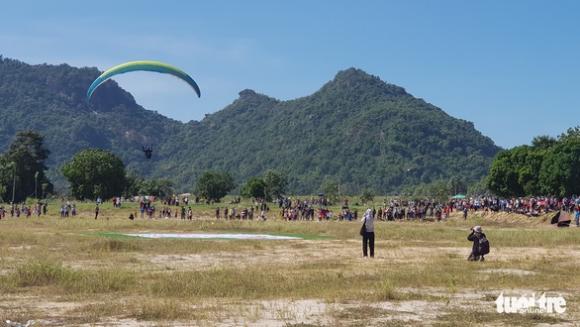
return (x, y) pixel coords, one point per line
(63, 272)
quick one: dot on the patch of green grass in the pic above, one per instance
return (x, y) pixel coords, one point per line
(114, 235)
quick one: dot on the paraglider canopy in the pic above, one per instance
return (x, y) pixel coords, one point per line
(143, 65)
(458, 196)
(562, 219)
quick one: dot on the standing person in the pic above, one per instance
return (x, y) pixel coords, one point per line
(480, 244)
(577, 216)
(465, 213)
(96, 212)
(368, 233)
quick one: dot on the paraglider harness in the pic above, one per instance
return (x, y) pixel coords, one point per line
(483, 245)
(480, 248)
(148, 152)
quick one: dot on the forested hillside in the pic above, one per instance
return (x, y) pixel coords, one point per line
(51, 100)
(357, 131)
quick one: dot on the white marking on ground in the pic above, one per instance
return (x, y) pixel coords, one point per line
(216, 236)
(509, 271)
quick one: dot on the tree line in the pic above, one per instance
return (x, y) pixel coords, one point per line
(22, 168)
(94, 173)
(549, 166)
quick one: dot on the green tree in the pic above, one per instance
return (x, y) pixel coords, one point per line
(132, 185)
(503, 178)
(438, 190)
(478, 188)
(276, 184)
(516, 172)
(456, 184)
(560, 171)
(135, 185)
(6, 171)
(2, 193)
(23, 164)
(157, 187)
(529, 170)
(330, 189)
(255, 188)
(366, 196)
(95, 173)
(543, 142)
(213, 185)
(571, 133)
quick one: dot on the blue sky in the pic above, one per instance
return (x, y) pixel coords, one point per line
(511, 67)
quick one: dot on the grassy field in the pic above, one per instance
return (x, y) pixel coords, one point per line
(81, 271)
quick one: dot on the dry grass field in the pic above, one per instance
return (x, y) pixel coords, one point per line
(82, 272)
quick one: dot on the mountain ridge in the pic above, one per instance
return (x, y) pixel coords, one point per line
(356, 130)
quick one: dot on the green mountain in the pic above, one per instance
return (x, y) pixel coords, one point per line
(51, 100)
(356, 130)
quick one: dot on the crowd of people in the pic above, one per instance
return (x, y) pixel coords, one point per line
(176, 200)
(530, 206)
(321, 208)
(403, 209)
(24, 210)
(244, 213)
(67, 209)
(420, 209)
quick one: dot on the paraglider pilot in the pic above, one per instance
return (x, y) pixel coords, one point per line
(148, 152)
(480, 244)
